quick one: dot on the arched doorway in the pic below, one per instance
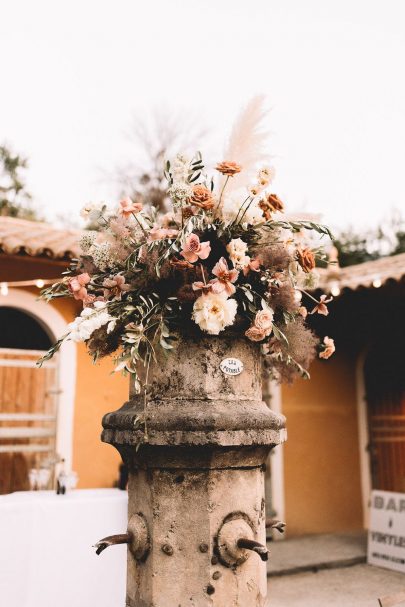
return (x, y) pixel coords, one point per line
(36, 408)
(384, 384)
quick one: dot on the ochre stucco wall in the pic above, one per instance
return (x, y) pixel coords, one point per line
(321, 456)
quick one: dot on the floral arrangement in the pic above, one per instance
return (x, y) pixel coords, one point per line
(224, 258)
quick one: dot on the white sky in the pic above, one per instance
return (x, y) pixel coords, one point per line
(73, 73)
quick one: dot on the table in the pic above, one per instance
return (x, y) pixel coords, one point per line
(46, 553)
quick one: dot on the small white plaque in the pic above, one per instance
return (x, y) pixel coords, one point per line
(231, 366)
(386, 535)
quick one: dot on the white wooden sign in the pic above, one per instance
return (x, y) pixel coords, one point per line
(386, 536)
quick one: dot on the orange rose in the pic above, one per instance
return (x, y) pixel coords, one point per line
(271, 204)
(306, 259)
(228, 168)
(202, 197)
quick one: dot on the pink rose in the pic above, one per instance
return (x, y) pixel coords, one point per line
(194, 249)
(255, 334)
(264, 321)
(77, 286)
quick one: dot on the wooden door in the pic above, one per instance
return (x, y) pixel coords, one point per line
(28, 415)
(385, 393)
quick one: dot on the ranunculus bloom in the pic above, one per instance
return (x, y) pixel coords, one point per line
(115, 286)
(213, 312)
(228, 168)
(255, 334)
(321, 306)
(127, 207)
(329, 348)
(264, 320)
(194, 250)
(77, 286)
(225, 278)
(202, 197)
(306, 259)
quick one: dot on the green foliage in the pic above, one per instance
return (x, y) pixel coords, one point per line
(15, 200)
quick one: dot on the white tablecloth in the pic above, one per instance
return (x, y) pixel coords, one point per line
(46, 553)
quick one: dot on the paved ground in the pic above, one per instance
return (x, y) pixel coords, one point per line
(312, 552)
(327, 571)
(356, 586)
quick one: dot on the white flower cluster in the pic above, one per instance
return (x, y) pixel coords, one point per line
(89, 320)
(180, 192)
(180, 169)
(237, 253)
(87, 240)
(232, 209)
(102, 256)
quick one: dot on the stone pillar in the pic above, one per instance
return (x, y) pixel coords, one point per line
(198, 481)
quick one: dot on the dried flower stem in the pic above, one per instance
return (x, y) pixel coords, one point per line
(202, 272)
(244, 212)
(308, 295)
(222, 191)
(140, 225)
(240, 208)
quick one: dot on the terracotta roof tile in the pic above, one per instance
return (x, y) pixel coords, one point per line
(368, 274)
(19, 236)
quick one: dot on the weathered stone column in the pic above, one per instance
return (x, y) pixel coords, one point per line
(198, 483)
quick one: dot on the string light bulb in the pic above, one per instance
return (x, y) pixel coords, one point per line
(37, 282)
(335, 290)
(377, 283)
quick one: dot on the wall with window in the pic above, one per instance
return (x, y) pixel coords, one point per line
(95, 390)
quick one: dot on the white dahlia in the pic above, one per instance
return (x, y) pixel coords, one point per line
(213, 312)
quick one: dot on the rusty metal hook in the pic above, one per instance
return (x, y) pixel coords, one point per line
(112, 540)
(137, 537)
(272, 523)
(255, 546)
